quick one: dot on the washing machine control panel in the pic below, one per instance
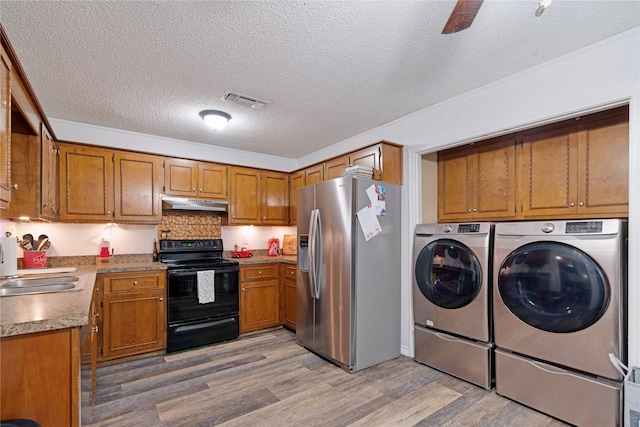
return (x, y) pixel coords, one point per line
(584, 227)
(469, 228)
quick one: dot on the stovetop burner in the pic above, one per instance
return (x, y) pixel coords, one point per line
(193, 253)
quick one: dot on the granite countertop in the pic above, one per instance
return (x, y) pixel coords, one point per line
(23, 314)
(130, 266)
(286, 259)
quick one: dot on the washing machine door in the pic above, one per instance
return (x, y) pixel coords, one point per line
(553, 287)
(448, 273)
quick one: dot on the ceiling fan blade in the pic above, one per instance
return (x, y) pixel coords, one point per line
(462, 16)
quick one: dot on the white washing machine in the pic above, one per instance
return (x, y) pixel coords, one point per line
(559, 311)
(452, 299)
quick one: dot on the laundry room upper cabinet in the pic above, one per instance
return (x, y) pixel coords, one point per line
(477, 182)
(577, 169)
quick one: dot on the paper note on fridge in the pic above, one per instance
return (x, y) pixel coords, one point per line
(376, 195)
(369, 222)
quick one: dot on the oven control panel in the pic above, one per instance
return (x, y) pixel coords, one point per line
(190, 245)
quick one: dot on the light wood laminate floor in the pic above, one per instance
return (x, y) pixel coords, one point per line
(267, 379)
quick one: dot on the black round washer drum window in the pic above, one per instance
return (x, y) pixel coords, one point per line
(553, 287)
(448, 273)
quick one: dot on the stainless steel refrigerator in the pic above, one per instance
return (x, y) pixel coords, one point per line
(348, 285)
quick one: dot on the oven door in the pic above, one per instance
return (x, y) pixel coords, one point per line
(182, 300)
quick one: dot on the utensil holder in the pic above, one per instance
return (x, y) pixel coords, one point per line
(35, 259)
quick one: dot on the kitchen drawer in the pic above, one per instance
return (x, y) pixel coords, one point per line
(258, 272)
(290, 272)
(126, 282)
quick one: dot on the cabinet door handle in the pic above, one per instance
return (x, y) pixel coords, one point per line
(260, 272)
(201, 190)
(572, 204)
(161, 299)
(469, 210)
(14, 186)
(193, 189)
(580, 203)
(135, 282)
(475, 210)
(243, 289)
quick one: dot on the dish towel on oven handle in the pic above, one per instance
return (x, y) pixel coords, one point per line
(206, 286)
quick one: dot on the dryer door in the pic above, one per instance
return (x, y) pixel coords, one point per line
(448, 273)
(553, 287)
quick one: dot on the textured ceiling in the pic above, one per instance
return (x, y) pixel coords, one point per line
(330, 70)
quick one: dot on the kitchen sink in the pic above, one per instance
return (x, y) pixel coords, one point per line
(37, 285)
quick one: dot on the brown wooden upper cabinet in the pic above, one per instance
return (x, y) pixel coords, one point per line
(34, 160)
(333, 168)
(309, 176)
(195, 179)
(49, 196)
(5, 129)
(258, 197)
(314, 174)
(384, 158)
(577, 168)
(296, 181)
(577, 171)
(86, 183)
(106, 185)
(477, 182)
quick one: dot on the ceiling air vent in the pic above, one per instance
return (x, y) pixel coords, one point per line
(245, 101)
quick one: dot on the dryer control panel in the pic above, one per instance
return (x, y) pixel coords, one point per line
(583, 227)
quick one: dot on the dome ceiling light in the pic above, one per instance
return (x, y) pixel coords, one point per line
(215, 119)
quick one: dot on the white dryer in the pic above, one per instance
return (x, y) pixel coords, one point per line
(452, 299)
(559, 310)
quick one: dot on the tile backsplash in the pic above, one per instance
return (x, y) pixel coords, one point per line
(191, 225)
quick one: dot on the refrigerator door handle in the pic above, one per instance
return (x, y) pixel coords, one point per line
(317, 254)
(312, 250)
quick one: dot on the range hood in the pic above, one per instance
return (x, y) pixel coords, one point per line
(187, 204)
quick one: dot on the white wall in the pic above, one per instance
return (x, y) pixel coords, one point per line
(253, 237)
(86, 239)
(599, 76)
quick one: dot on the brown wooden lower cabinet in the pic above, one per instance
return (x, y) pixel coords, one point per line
(132, 309)
(259, 296)
(41, 377)
(289, 297)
